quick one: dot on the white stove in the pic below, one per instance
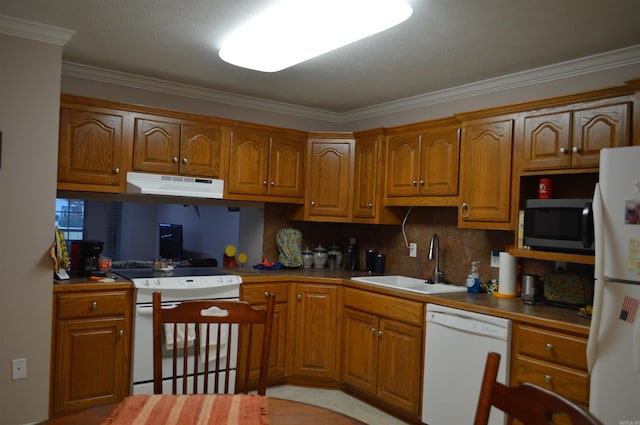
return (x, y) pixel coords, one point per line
(180, 284)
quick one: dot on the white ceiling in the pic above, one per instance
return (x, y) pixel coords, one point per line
(444, 44)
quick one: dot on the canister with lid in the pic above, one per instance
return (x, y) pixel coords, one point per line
(319, 256)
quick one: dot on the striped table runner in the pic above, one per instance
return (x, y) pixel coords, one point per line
(194, 409)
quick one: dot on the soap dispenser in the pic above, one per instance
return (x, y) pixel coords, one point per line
(473, 279)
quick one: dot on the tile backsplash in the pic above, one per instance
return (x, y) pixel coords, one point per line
(458, 247)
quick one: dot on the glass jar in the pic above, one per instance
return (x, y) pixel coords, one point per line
(319, 256)
(307, 258)
(337, 252)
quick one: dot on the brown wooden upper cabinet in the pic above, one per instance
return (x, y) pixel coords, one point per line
(172, 146)
(266, 164)
(92, 148)
(485, 174)
(423, 164)
(329, 176)
(572, 138)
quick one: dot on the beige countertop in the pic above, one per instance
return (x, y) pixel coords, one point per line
(510, 308)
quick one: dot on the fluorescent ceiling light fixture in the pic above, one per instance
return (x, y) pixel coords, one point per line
(293, 31)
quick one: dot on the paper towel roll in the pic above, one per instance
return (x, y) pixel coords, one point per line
(507, 276)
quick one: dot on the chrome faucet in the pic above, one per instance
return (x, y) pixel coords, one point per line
(434, 253)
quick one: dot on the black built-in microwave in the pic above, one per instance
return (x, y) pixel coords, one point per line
(564, 225)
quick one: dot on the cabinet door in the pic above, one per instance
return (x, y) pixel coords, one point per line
(360, 350)
(156, 146)
(399, 364)
(248, 163)
(314, 343)
(200, 150)
(90, 149)
(286, 165)
(547, 141)
(440, 154)
(276, 353)
(329, 178)
(366, 180)
(486, 175)
(403, 164)
(596, 128)
(92, 363)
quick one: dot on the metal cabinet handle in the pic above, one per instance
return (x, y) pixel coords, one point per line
(563, 150)
(370, 205)
(373, 331)
(299, 297)
(121, 333)
(421, 182)
(264, 183)
(380, 333)
(116, 171)
(414, 182)
(185, 160)
(312, 203)
(575, 149)
(273, 184)
(175, 159)
(547, 378)
(465, 210)
(94, 305)
(549, 346)
(266, 294)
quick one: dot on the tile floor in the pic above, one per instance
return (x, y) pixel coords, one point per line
(335, 400)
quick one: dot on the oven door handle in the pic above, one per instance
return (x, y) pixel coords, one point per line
(147, 310)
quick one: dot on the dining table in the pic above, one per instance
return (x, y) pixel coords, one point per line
(278, 412)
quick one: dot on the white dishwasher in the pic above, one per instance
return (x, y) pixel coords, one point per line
(457, 343)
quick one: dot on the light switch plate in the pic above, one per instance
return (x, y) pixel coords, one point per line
(413, 249)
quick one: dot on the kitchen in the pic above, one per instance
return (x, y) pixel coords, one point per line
(27, 281)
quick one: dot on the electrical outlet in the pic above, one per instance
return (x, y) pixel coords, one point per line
(561, 265)
(18, 369)
(495, 259)
(413, 249)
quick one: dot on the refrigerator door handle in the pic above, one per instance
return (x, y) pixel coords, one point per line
(598, 289)
(587, 222)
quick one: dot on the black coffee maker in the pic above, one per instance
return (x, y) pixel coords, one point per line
(89, 258)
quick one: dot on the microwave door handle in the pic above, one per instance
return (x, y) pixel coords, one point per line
(587, 229)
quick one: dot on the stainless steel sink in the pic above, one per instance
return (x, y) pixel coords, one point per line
(411, 284)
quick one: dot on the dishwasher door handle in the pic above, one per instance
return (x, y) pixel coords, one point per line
(467, 324)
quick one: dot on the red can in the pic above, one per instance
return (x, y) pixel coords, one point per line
(544, 188)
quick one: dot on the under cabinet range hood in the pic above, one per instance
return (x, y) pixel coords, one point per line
(160, 184)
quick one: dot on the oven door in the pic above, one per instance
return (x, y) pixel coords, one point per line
(143, 354)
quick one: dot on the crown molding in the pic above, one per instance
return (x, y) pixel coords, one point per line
(590, 64)
(582, 66)
(103, 75)
(34, 31)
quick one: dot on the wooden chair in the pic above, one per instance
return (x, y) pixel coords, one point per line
(530, 404)
(196, 337)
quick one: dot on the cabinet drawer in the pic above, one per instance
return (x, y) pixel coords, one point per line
(565, 381)
(551, 346)
(394, 308)
(93, 304)
(255, 294)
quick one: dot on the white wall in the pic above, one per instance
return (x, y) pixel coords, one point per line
(29, 104)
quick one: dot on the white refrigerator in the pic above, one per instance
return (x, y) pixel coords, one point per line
(613, 350)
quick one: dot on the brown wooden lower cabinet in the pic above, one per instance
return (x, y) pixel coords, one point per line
(382, 349)
(256, 296)
(313, 340)
(91, 349)
(551, 359)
